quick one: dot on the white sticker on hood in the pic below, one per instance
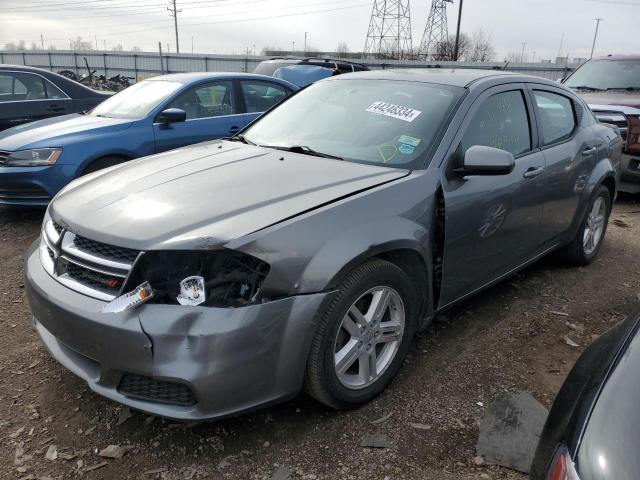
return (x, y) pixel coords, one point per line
(395, 111)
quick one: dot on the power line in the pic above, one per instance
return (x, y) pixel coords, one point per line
(240, 20)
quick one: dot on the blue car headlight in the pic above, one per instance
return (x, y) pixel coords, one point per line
(38, 157)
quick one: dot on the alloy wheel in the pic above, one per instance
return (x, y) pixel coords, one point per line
(595, 226)
(369, 337)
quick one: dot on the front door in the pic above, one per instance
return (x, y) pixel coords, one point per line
(492, 222)
(211, 113)
(25, 97)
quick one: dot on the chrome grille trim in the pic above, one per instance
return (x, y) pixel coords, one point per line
(616, 118)
(58, 250)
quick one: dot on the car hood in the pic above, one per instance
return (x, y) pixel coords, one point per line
(54, 132)
(625, 99)
(205, 195)
(609, 445)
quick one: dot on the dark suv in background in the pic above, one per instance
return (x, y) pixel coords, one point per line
(268, 67)
(611, 87)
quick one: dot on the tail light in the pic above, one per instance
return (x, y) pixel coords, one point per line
(562, 467)
(633, 137)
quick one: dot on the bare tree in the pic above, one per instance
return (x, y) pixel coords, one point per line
(481, 48)
(80, 44)
(342, 50)
(52, 47)
(117, 48)
(136, 49)
(513, 57)
(445, 51)
(20, 45)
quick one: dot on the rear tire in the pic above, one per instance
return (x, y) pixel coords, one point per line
(363, 336)
(585, 246)
(102, 163)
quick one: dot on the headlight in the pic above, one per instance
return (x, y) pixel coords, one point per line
(222, 279)
(39, 157)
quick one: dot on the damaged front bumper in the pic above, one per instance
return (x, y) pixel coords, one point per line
(180, 362)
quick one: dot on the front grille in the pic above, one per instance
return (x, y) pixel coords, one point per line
(57, 227)
(614, 118)
(147, 388)
(84, 265)
(3, 157)
(93, 279)
(109, 251)
(23, 193)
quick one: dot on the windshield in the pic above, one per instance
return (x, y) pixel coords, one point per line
(268, 68)
(389, 123)
(607, 75)
(136, 101)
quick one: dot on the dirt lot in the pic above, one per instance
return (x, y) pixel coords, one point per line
(504, 340)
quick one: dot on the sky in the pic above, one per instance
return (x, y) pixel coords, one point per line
(233, 26)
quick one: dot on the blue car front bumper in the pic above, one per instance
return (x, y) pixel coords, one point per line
(33, 186)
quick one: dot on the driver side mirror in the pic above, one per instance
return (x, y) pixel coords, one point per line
(482, 160)
(172, 115)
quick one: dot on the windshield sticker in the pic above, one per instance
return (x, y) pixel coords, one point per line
(387, 152)
(413, 141)
(406, 149)
(394, 111)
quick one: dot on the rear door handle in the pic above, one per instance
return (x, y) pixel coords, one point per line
(55, 108)
(234, 129)
(533, 172)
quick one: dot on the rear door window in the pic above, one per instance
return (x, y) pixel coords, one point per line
(261, 96)
(556, 115)
(500, 122)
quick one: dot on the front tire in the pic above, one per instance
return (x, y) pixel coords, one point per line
(585, 246)
(363, 336)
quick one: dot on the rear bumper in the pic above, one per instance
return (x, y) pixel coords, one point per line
(229, 360)
(630, 173)
(33, 186)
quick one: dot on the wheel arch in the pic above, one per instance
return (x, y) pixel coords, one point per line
(86, 166)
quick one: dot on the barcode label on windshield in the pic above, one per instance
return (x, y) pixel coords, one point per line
(395, 111)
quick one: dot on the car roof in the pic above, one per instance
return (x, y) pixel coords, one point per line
(198, 76)
(455, 77)
(22, 68)
(618, 57)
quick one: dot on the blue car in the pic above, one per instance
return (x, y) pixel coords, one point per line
(38, 159)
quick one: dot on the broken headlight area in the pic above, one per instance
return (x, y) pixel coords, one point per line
(231, 279)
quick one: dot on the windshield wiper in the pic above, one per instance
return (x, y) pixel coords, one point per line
(239, 138)
(624, 89)
(587, 87)
(304, 150)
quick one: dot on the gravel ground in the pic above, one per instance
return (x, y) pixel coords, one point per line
(507, 339)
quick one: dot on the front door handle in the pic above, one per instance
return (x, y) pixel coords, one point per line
(533, 172)
(234, 129)
(55, 108)
(590, 151)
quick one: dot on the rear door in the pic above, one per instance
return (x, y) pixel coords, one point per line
(492, 222)
(570, 152)
(212, 112)
(258, 96)
(25, 97)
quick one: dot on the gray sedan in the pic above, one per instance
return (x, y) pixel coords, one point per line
(307, 251)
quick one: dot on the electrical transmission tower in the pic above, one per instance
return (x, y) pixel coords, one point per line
(436, 30)
(389, 34)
